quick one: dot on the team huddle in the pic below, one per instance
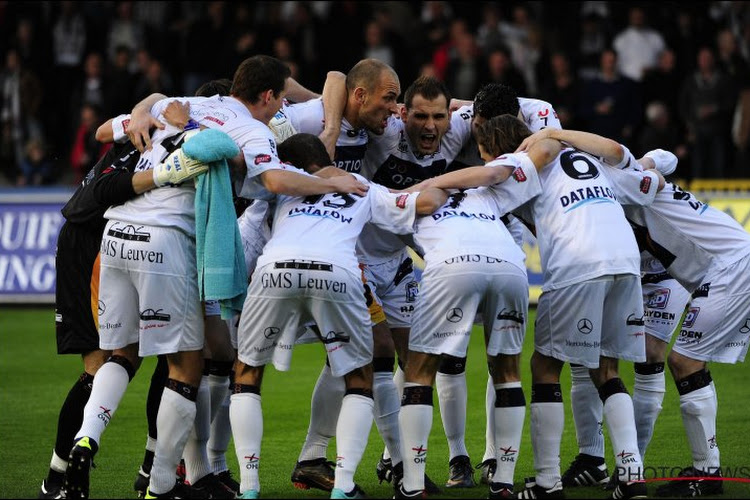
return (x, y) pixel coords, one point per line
(222, 229)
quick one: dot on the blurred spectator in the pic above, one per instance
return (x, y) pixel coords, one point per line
(119, 89)
(282, 50)
(662, 83)
(563, 89)
(610, 103)
(303, 32)
(437, 18)
(125, 30)
(464, 70)
(21, 106)
(686, 36)
(156, 79)
(500, 69)
(36, 168)
(707, 101)
(404, 50)
(90, 89)
(638, 46)
(447, 50)
(343, 50)
(530, 56)
(729, 60)
(86, 149)
(741, 134)
(243, 38)
(489, 33)
(205, 45)
(376, 46)
(660, 132)
(517, 31)
(31, 44)
(593, 41)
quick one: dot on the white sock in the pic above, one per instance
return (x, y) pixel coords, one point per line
(221, 434)
(218, 385)
(547, 422)
(150, 444)
(387, 406)
(110, 384)
(398, 380)
(648, 394)
(508, 435)
(489, 431)
(325, 405)
(246, 415)
(174, 423)
(620, 419)
(415, 422)
(698, 409)
(587, 412)
(197, 465)
(352, 433)
(452, 396)
(58, 464)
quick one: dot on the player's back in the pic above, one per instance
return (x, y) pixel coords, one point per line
(326, 227)
(580, 226)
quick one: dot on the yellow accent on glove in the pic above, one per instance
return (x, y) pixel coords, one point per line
(177, 168)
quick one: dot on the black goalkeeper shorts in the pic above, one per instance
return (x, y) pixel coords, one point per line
(77, 289)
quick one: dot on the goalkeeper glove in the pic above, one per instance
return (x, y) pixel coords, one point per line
(177, 168)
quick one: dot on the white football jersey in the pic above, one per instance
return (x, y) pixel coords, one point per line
(468, 223)
(580, 225)
(393, 162)
(175, 207)
(326, 227)
(308, 117)
(687, 235)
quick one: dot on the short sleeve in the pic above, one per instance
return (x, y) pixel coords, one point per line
(522, 185)
(633, 187)
(120, 128)
(394, 212)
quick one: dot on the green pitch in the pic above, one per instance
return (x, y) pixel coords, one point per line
(34, 381)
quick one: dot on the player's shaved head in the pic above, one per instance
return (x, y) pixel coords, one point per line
(495, 99)
(502, 134)
(366, 74)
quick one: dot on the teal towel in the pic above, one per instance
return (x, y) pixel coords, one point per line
(222, 274)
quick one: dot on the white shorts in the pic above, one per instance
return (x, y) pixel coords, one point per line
(280, 299)
(599, 317)
(452, 293)
(149, 290)
(396, 288)
(717, 323)
(664, 301)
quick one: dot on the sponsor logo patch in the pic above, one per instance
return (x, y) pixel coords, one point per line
(645, 185)
(401, 201)
(519, 175)
(262, 159)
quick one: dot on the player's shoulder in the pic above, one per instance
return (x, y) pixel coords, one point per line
(464, 113)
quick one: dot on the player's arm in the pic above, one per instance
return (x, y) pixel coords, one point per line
(280, 181)
(608, 150)
(334, 102)
(466, 178)
(430, 200)
(295, 92)
(328, 172)
(459, 103)
(142, 121)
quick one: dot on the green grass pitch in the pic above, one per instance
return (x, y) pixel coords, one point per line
(34, 381)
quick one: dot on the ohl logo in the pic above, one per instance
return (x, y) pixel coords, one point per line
(626, 457)
(340, 462)
(105, 415)
(252, 461)
(508, 454)
(420, 456)
(712, 442)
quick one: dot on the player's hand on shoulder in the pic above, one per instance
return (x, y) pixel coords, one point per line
(177, 113)
(349, 184)
(533, 139)
(139, 128)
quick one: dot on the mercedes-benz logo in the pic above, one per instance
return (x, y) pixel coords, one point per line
(271, 331)
(101, 306)
(454, 315)
(585, 326)
(746, 327)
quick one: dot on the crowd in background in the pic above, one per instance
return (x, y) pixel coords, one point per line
(653, 74)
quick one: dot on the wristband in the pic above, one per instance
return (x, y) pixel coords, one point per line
(191, 125)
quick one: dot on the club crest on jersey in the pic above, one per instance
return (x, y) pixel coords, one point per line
(645, 185)
(262, 158)
(519, 175)
(401, 201)
(658, 299)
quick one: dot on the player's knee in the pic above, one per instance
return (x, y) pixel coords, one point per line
(693, 382)
(128, 365)
(610, 388)
(452, 365)
(359, 378)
